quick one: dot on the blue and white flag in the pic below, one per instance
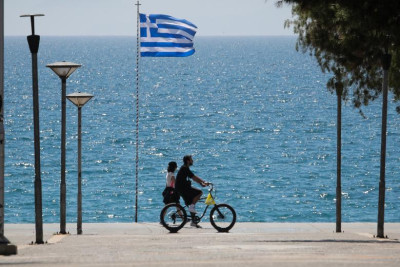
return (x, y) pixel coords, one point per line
(166, 36)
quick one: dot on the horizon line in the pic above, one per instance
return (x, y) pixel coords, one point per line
(255, 35)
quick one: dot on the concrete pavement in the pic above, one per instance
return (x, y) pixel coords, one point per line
(248, 244)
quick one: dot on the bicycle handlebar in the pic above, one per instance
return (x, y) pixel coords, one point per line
(211, 186)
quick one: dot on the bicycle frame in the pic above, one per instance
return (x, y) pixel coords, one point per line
(210, 190)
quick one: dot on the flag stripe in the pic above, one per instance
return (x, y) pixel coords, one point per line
(176, 32)
(167, 44)
(168, 34)
(165, 49)
(177, 27)
(169, 22)
(165, 40)
(167, 54)
(154, 17)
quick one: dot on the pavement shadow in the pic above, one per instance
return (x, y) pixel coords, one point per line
(333, 241)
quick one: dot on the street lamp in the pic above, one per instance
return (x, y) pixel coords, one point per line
(63, 70)
(79, 100)
(386, 61)
(5, 247)
(339, 93)
(33, 41)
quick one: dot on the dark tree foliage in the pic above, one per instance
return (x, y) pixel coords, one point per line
(348, 39)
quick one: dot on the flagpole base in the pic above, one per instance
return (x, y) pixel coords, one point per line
(6, 248)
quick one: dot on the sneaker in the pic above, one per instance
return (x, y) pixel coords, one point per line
(192, 209)
(195, 225)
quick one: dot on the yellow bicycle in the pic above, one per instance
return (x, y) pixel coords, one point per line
(222, 216)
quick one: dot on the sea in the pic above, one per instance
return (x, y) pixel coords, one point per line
(254, 113)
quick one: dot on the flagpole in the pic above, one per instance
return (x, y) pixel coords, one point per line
(137, 109)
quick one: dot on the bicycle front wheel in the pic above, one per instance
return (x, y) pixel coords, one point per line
(173, 217)
(222, 217)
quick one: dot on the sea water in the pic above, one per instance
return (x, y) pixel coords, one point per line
(254, 113)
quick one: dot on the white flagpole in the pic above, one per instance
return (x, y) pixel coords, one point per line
(137, 109)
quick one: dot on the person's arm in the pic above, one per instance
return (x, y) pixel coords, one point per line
(200, 181)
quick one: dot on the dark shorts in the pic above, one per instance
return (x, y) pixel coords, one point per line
(170, 195)
(188, 194)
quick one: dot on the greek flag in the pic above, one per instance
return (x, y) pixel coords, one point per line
(166, 36)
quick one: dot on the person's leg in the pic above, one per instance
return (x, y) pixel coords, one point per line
(186, 194)
(187, 199)
(196, 198)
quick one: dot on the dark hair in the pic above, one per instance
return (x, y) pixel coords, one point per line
(172, 166)
(186, 159)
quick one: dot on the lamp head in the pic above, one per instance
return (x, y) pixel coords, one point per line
(79, 99)
(63, 69)
(32, 16)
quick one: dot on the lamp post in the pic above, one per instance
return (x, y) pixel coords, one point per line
(5, 247)
(79, 100)
(386, 61)
(339, 92)
(33, 41)
(63, 70)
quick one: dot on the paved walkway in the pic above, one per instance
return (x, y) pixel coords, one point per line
(248, 244)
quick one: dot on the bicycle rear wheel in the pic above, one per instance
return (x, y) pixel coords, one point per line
(173, 217)
(222, 217)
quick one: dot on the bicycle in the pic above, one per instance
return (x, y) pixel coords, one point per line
(222, 216)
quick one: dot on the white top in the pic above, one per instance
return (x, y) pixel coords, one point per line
(169, 179)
